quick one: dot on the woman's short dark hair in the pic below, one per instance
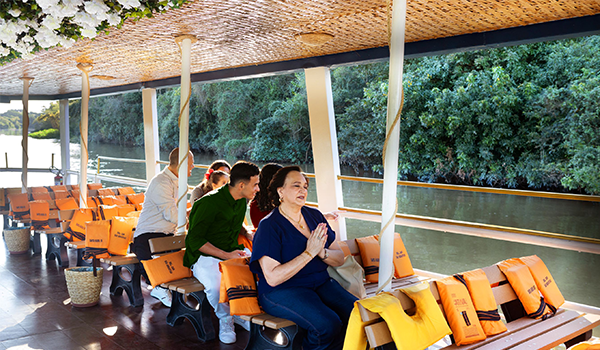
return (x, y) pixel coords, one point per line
(262, 197)
(242, 171)
(278, 181)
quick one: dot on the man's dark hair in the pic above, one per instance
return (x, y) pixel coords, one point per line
(242, 171)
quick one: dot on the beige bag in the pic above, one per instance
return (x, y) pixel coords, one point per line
(350, 275)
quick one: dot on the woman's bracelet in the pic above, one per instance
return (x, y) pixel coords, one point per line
(309, 254)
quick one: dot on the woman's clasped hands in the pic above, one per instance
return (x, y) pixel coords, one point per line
(316, 241)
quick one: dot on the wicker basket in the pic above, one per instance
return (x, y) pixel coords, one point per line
(84, 288)
(17, 239)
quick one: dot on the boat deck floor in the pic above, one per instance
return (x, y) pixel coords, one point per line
(35, 313)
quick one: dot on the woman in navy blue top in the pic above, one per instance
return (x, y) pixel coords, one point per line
(292, 249)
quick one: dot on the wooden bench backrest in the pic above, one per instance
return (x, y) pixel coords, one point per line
(166, 244)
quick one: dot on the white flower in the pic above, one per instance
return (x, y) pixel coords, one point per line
(51, 22)
(4, 51)
(47, 38)
(86, 20)
(44, 4)
(15, 12)
(129, 3)
(114, 19)
(66, 42)
(88, 32)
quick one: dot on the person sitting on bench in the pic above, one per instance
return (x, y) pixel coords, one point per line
(292, 249)
(159, 215)
(216, 221)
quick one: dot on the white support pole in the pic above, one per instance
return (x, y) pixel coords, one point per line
(324, 144)
(151, 143)
(390, 166)
(83, 128)
(65, 139)
(24, 143)
(185, 43)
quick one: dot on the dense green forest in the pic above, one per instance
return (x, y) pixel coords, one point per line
(13, 119)
(518, 117)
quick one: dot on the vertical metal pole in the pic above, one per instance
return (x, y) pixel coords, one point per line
(83, 128)
(185, 44)
(324, 144)
(24, 143)
(151, 143)
(65, 139)
(390, 166)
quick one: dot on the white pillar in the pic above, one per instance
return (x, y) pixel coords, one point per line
(390, 166)
(83, 129)
(65, 151)
(24, 143)
(324, 144)
(185, 44)
(151, 143)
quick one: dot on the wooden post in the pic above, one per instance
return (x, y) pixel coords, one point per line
(390, 166)
(324, 144)
(24, 143)
(185, 43)
(65, 151)
(83, 129)
(151, 143)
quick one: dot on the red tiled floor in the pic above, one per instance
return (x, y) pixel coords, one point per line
(33, 314)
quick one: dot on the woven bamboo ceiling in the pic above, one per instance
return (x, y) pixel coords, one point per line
(241, 34)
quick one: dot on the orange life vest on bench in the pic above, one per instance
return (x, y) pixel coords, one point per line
(97, 236)
(125, 191)
(460, 312)
(136, 199)
(402, 265)
(19, 205)
(66, 203)
(41, 196)
(40, 214)
(107, 212)
(238, 286)
(121, 234)
(369, 254)
(523, 284)
(166, 268)
(544, 282)
(483, 300)
(76, 230)
(61, 194)
(105, 192)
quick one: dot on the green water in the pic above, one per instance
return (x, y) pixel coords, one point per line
(435, 251)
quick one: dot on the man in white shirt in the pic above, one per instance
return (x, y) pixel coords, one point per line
(159, 214)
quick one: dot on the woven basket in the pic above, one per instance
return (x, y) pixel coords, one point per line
(84, 288)
(17, 239)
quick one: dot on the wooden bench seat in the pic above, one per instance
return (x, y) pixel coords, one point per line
(199, 315)
(130, 283)
(567, 326)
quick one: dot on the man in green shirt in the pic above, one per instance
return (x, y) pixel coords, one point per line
(216, 220)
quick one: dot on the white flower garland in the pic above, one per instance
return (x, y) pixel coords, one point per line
(25, 36)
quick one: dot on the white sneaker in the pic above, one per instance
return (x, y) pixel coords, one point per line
(226, 330)
(162, 294)
(243, 323)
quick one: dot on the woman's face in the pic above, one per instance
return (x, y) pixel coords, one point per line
(222, 182)
(295, 189)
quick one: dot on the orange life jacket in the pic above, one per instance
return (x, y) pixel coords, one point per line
(134, 214)
(76, 230)
(402, 264)
(238, 286)
(38, 189)
(483, 300)
(243, 240)
(125, 209)
(75, 194)
(95, 186)
(369, 253)
(40, 214)
(105, 200)
(74, 187)
(523, 284)
(460, 312)
(544, 282)
(106, 192)
(66, 203)
(344, 246)
(136, 199)
(126, 191)
(107, 212)
(19, 205)
(97, 236)
(58, 188)
(166, 268)
(121, 234)
(61, 194)
(41, 196)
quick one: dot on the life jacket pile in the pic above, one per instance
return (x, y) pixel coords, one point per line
(121, 234)
(460, 312)
(166, 268)
(522, 282)
(76, 230)
(19, 206)
(97, 235)
(238, 287)
(419, 331)
(40, 214)
(369, 253)
(483, 299)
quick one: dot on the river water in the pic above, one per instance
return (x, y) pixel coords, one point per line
(442, 252)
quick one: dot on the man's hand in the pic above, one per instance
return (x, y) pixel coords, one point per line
(235, 254)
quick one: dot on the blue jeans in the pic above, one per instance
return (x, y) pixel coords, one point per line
(322, 311)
